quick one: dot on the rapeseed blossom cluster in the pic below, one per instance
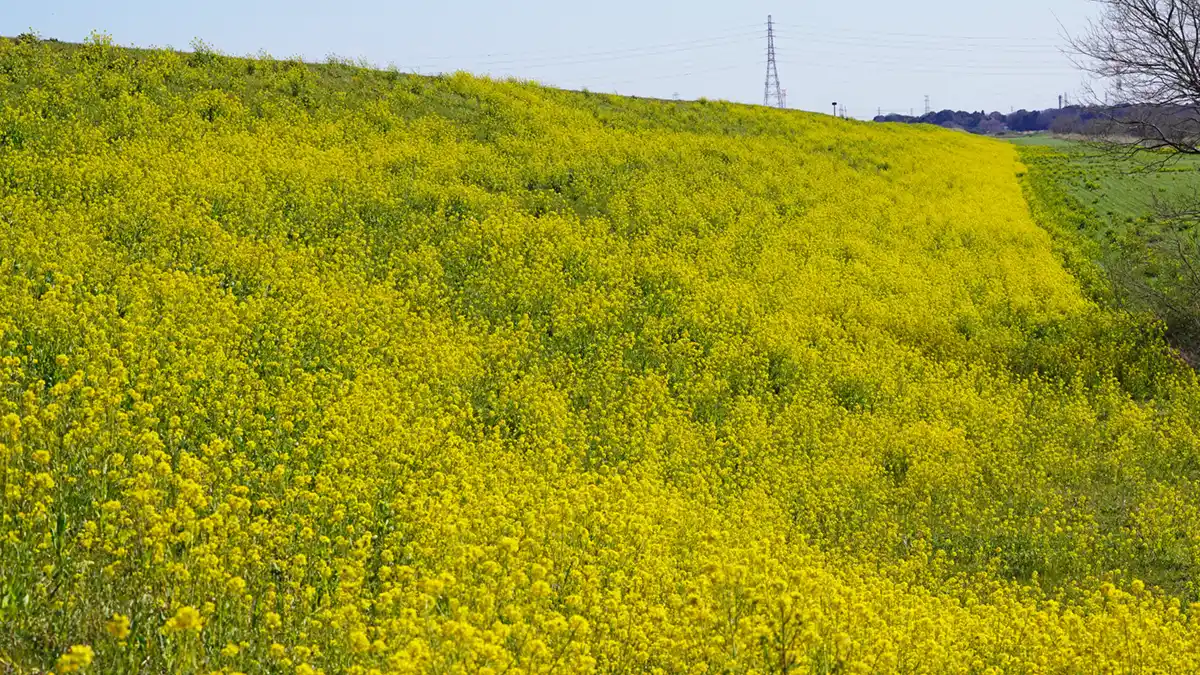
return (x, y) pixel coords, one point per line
(317, 369)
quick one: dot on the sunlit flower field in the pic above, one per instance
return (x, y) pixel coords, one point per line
(318, 369)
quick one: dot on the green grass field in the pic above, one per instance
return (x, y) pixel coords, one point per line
(1120, 191)
(1041, 140)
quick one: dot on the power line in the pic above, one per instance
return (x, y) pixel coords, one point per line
(771, 85)
(831, 49)
(928, 36)
(616, 57)
(892, 65)
(635, 52)
(995, 67)
(897, 40)
(930, 72)
(688, 73)
(918, 62)
(919, 46)
(554, 53)
(614, 54)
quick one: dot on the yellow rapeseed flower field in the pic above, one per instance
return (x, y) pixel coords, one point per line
(316, 369)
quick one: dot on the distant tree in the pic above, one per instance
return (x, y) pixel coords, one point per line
(1022, 120)
(944, 116)
(991, 125)
(1069, 122)
(1045, 119)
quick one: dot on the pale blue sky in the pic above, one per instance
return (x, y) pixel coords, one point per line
(868, 54)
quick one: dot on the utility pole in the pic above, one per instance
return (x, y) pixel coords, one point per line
(783, 99)
(1060, 101)
(771, 86)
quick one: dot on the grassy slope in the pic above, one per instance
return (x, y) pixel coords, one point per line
(1119, 205)
(374, 370)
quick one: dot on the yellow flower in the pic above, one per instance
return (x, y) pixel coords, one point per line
(236, 585)
(11, 425)
(186, 618)
(118, 626)
(77, 658)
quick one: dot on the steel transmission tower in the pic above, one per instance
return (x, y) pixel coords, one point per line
(771, 86)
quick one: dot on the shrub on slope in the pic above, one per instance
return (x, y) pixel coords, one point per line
(319, 368)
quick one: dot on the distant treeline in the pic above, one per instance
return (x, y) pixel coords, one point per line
(1067, 120)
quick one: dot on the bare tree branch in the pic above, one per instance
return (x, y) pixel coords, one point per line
(1150, 51)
